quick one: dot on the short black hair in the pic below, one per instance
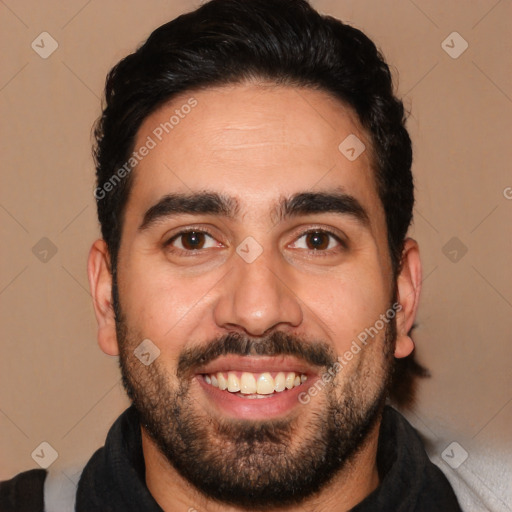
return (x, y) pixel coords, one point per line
(226, 42)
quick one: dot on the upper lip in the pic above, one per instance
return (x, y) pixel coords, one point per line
(257, 364)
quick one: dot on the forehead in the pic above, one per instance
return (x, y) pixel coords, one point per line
(255, 142)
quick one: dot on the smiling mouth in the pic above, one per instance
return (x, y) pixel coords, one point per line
(255, 385)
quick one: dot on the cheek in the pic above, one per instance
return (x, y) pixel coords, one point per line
(160, 304)
(348, 303)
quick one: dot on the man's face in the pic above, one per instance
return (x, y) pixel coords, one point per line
(263, 292)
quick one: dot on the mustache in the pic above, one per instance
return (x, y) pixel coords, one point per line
(316, 353)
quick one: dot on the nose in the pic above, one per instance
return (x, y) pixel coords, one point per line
(258, 297)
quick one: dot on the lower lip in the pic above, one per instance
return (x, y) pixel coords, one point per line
(231, 404)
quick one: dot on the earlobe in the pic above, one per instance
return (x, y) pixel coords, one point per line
(100, 282)
(409, 288)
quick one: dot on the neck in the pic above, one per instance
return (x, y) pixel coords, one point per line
(348, 488)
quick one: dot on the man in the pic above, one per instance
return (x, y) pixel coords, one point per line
(254, 191)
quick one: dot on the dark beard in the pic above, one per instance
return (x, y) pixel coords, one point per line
(252, 464)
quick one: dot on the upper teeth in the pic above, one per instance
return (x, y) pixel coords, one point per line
(250, 383)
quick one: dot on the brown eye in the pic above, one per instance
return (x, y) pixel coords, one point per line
(317, 240)
(192, 240)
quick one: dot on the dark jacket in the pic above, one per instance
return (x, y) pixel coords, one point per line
(113, 479)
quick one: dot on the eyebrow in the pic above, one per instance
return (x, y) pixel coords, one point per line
(200, 203)
(214, 203)
(306, 203)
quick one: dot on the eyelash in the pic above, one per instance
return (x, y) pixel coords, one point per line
(317, 252)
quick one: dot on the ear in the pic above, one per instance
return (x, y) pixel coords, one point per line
(409, 288)
(100, 282)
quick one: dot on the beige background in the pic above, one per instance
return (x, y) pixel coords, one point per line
(55, 383)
